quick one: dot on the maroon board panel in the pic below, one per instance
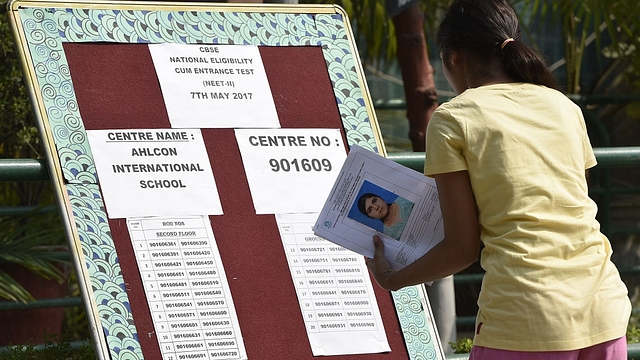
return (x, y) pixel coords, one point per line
(116, 88)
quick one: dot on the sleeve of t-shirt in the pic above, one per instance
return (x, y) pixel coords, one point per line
(589, 157)
(445, 145)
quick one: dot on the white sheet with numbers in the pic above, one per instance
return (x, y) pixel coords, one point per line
(187, 290)
(334, 290)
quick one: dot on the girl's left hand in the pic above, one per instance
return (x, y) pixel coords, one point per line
(379, 265)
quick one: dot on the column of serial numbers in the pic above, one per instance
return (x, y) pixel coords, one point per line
(143, 243)
(354, 289)
(297, 273)
(184, 289)
(330, 282)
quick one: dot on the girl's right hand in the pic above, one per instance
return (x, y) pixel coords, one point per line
(379, 265)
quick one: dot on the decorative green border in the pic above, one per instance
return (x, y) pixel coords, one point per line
(419, 330)
(103, 267)
(45, 29)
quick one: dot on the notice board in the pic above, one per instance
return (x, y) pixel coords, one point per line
(89, 68)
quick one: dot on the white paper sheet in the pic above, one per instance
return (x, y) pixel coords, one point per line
(290, 170)
(214, 86)
(154, 172)
(186, 288)
(334, 290)
(341, 222)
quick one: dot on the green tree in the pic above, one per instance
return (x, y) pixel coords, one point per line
(19, 137)
(605, 30)
(19, 134)
(601, 63)
(611, 27)
(26, 240)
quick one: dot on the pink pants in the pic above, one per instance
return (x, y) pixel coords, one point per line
(610, 350)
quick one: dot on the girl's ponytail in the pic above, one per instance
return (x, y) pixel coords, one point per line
(524, 64)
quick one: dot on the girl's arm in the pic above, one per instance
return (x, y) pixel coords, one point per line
(459, 248)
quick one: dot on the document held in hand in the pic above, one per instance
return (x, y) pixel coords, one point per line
(374, 195)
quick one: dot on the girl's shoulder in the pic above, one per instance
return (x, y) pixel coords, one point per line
(497, 95)
(507, 90)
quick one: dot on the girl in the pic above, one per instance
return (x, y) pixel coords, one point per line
(509, 156)
(393, 216)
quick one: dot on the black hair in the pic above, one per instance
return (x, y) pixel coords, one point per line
(480, 27)
(361, 202)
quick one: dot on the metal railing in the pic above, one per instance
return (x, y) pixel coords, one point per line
(26, 170)
(607, 157)
(36, 170)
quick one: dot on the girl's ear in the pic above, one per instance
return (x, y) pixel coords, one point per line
(454, 58)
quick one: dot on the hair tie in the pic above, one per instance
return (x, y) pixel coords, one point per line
(504, 43)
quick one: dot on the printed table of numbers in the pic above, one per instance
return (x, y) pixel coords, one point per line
(187, 291)
(334, 290)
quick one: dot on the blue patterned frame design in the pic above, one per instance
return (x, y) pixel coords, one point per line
(44, 29)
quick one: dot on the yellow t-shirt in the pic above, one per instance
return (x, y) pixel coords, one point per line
(549, 282)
